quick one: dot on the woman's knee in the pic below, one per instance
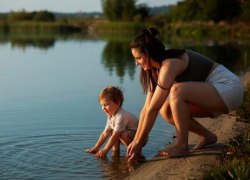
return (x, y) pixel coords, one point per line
(177, 92)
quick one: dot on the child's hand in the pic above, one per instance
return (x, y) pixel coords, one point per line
(92, 150)
(101, 153)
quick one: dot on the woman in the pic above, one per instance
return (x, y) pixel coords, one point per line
(180, 84)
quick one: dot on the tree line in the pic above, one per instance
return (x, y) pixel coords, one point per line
(129, 10)
(125, 10)
(37, 16)
(215, 10)
(187, 10)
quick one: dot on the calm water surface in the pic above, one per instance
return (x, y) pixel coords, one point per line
(49, 112)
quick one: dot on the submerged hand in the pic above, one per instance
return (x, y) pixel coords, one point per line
(134, 151)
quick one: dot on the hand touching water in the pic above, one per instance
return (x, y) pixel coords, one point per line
(134, 151)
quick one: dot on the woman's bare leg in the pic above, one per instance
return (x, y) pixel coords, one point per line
(206, 136)
(181, 96)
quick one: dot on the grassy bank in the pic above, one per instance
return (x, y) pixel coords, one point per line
(119, 27)
(200, 30)
(51, 27)
(195, 30)
(236, 156)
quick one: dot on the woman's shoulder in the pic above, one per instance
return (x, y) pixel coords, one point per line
(175, 66)
(175, 61)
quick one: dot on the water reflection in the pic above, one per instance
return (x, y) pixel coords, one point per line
(39, 43)
(47, 105)
(38, 40)
(117, 58)
(117, 167)
(232, 54)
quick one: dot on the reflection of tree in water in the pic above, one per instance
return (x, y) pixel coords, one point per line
(231, 55)
(40, 42)
(117, 57)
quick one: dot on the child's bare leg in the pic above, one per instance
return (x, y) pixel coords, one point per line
(125, 139)
(116, 147)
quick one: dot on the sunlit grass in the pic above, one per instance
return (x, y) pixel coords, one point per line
(41, 27)
(236, 156)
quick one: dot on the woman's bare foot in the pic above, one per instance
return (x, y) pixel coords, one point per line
(211, 139)
(174, 150)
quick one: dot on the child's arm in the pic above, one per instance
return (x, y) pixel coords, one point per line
(115, 136)
(103, 137)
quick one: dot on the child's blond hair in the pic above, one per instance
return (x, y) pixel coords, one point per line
(112, 93)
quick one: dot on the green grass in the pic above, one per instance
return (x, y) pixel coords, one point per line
(120, 27)
(199, 30)
(39, 27)
(243, 112)
(236, 155)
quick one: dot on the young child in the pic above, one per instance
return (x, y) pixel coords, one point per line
(121, 125)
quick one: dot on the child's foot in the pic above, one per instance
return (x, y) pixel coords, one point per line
(211, 139)
(174, 150)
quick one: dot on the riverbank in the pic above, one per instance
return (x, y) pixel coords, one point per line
(199, 162)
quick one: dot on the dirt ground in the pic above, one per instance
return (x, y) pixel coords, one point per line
(195, 165)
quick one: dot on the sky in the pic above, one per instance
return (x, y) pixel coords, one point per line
(67, 5)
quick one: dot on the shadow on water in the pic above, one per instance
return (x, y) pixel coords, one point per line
(118, 167)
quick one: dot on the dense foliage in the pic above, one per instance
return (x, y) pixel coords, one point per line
(214, 10)
(41, 16)
(243, 112)
(125, 10)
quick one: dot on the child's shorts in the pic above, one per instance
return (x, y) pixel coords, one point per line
(131, 135)
(228, 86)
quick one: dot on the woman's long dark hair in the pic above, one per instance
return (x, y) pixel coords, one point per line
(147, 43)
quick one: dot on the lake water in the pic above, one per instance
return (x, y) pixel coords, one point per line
(49, 112)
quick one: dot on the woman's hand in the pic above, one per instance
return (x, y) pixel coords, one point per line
(101, 153)
(134, 151)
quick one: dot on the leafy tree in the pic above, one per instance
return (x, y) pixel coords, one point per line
(125, 10)
(111, 9)
(31, 16)
(246, 10)
(44, 16)
(216, 10)
(227, 10)
(142, 13)
(128, 9)
(20, 16)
